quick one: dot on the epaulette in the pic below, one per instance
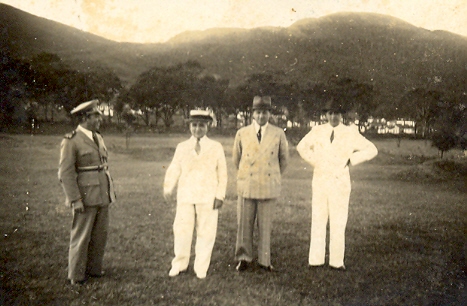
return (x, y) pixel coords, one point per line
(70, 135)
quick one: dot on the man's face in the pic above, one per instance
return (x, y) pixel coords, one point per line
(334, 118)
(261, 116)
(94, 122)
(198, 128)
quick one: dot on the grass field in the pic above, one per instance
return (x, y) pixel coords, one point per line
(406, 233)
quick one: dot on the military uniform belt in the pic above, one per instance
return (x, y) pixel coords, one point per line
(92, 168)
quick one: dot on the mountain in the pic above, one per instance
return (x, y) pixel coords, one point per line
(388, 53)
(23, 35)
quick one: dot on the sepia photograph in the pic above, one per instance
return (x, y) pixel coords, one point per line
(233, 152)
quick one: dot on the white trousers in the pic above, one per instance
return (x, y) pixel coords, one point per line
(330, 200)
(205, 219)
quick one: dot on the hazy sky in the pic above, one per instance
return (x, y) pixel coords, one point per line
(159, 20)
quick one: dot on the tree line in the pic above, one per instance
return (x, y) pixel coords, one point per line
(45, 83)
(161, 92)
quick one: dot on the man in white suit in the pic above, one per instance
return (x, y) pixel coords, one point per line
(260, 154)
(330, 148)
(199, 170)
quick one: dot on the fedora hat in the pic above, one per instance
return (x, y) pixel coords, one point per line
(200, 115)
(334, 106)
(263, 103)
(88, 108)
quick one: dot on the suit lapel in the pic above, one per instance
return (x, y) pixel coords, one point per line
(268, 137)
(260, 148)
(253, 137)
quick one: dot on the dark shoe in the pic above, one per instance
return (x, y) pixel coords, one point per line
(77, 282)
(101, 274)
(315, 266)
(267, 268)
(341, 268)
(242, 265)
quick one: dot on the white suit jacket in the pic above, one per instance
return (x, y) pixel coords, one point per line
(330, 160)
(200, 178)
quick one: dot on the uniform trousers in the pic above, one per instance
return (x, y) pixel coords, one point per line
(87, 242)
(330, 200)
(205, 218)
(249, 210)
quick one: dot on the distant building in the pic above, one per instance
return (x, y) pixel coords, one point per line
(396, 127)
(106, 109)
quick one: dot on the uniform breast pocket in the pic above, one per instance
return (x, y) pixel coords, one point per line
(86, 158)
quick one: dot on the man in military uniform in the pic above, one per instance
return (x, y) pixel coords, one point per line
(84, 175)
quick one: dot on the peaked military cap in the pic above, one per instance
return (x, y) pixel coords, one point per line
(89, 107)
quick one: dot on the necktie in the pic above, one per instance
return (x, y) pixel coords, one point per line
(259, 134)
(96, 140)
(332, 136)
(197, 147)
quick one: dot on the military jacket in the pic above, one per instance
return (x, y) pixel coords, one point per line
(83, 170)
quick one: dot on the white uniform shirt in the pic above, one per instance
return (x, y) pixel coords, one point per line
(330, 159)
(85, 131)
(200, 178)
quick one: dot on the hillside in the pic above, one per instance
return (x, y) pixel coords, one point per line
(24, 35)
(386, 52)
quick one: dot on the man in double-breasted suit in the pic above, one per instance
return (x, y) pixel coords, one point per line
(260, 154)
(85, 178)
(330, 148)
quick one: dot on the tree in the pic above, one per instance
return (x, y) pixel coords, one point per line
(241, 97)
(313, 98)
(210, 91)
(13, 86)
(354, 96)
(46, 74)
(128, 119)
(102, 83)
(72, 89)
(55, 85)
(421, 105)
(163, 91)
(240, 100)
(444, 140)
(449, 126)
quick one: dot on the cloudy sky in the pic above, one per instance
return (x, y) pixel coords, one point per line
(148, 21)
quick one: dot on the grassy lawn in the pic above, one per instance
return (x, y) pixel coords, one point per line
(406, 233)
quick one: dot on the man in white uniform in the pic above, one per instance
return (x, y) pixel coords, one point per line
(199, 170)
(330, 148)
